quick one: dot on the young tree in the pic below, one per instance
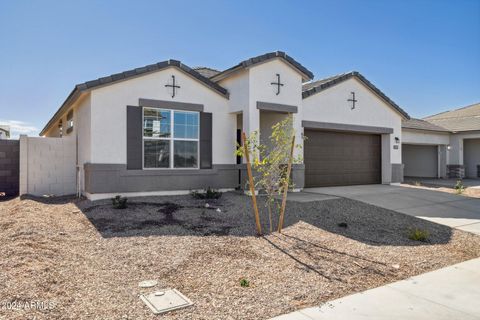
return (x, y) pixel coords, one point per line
(272, 162)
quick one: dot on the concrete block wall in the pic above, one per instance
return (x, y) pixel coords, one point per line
(47, 166)
(9, 167)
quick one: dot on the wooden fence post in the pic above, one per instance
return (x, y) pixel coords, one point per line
(252, 186)
(285, 187)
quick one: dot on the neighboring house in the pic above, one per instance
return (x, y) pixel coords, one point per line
(4, 132)
(443, 145)
(166, 128)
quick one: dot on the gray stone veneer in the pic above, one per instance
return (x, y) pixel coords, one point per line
(113, 178)
(456, 171)
(397, 172)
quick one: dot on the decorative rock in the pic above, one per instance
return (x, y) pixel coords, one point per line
(147, 283)
(218, 210)
(207, 205)
(395, 266)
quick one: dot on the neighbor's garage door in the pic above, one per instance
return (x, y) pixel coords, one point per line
(420, 161)
(471, 157)
(339, 159)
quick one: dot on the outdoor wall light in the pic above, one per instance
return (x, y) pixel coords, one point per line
(448, 147)
(397, 140)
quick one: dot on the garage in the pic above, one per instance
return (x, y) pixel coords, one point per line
(471, 157)
(341, 158)
(420, 160)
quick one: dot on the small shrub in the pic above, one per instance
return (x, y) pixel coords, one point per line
(244, 283)
(119, 203)
(459, 187)
(208, 193)
(416, 234)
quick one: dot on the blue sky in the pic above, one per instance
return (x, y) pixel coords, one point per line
(425, 55)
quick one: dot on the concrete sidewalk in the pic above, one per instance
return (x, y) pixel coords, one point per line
(448, 293)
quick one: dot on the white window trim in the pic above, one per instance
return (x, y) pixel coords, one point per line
(171, 139)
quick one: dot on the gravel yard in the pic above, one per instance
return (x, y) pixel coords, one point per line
(86, 259)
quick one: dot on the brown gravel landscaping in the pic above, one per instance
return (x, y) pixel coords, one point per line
(86, 259)
(468, 192)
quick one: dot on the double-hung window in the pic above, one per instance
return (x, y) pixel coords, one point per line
(170, 138)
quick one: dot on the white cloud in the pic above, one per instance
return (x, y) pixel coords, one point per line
(19, 127)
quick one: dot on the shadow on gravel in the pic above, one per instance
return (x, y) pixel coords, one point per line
(231, 215)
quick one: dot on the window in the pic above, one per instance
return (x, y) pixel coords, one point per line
(69, 121)
(170, 138)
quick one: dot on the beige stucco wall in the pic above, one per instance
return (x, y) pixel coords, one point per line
(238, 87)
(456, 145)
(80, 136)
(411, 136)
(331, 105)
(108, 113)
(261, 89)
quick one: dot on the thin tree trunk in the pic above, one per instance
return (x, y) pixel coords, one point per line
(270, 216)
(285, 187)
(252, 186)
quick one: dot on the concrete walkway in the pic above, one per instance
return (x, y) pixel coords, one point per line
(448, 293)
(444, 208)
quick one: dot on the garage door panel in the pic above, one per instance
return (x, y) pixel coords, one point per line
(471, 157)
(420, 160)
(337, 158)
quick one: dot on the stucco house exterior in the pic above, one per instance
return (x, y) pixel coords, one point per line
(167, 128)
(445, 145)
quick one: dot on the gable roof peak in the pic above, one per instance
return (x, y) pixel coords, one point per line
(126, 75)
(306, 74)
(207, 72)
(311, 88)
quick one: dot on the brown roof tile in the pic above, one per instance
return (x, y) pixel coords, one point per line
(462, 119)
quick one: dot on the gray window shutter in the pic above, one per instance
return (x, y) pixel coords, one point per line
(134, 138)
(205, 140)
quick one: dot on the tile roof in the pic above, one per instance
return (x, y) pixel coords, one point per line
(462, 119)
(420, 124)
(312, 88)
(82, 87)
(206, 71)
(150, 68)
(265, 57)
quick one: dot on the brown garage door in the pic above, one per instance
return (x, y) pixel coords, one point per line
(339, 158)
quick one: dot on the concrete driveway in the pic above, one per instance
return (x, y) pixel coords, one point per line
(449, 209)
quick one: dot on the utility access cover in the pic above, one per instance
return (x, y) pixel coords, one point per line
(165, 300)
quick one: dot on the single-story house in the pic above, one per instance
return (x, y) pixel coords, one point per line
(167, 128)
(445, 145)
